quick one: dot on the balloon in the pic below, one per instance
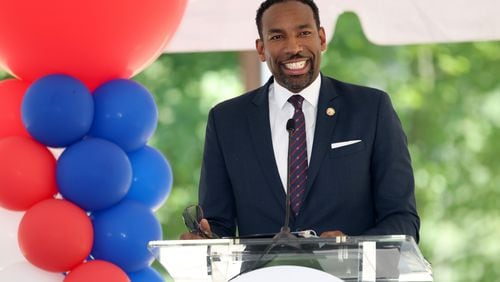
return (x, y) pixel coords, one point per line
(92, 40)
(94, 174)
(122, 233)
(57, 110)
(9, 222)
(125, 113)
(23, 271)
(27, 173)
(97, 271)
(11, 95)
(147, 274)
(55, 235)
(151, 177)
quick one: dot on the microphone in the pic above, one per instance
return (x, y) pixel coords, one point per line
(290, 127)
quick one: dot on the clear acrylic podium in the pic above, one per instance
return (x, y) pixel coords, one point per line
(369, 258)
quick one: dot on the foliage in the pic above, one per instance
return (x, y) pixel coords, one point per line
(448, 98)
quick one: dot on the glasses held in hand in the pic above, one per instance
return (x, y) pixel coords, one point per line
(192, 216)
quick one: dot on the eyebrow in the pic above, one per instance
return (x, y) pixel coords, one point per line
(279, 30)
(275, 30)
(302, 26)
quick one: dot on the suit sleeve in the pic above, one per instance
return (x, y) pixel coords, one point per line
(392, 177)
(215, 192)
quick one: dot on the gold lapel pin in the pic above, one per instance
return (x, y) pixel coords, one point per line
(330, 112)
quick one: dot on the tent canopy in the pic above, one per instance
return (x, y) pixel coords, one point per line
(229, 25)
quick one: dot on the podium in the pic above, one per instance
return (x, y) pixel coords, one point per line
(366, 258)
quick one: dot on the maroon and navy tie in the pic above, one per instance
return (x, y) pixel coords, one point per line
(298, 156)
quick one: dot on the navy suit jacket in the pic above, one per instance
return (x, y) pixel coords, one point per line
(365, 188)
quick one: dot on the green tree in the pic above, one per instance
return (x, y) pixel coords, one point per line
(448, 98)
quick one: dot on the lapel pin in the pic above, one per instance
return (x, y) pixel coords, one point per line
(330, 112)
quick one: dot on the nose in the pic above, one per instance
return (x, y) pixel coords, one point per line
(293, 45)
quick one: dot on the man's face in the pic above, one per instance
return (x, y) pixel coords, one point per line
(291, 44)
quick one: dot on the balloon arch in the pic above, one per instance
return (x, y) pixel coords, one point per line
(78, 183)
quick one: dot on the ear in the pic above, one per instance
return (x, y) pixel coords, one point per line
(322, 38)
(259, 46)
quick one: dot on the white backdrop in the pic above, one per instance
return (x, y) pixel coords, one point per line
(222, 25)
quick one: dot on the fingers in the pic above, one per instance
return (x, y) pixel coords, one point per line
(204, 227)
(190, 236)
(330, 234)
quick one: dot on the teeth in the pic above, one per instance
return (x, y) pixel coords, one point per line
(296, 65)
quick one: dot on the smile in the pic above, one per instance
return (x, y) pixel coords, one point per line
(296, 65)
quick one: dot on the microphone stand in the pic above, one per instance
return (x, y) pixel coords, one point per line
(285, 236)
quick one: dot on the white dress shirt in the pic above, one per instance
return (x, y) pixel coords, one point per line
(280, 111)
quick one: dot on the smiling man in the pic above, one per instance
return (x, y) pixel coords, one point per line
(291, 48)
(350, 170)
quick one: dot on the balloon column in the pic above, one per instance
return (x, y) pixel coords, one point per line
(88, 214)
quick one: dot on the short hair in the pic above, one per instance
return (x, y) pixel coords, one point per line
(268, 3)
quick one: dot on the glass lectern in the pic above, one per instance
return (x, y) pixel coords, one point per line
(368, 258)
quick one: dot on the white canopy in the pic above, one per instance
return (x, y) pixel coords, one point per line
(223, 25)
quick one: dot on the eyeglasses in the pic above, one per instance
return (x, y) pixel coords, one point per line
(192, 216)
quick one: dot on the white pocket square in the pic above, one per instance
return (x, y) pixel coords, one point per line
(344, 143)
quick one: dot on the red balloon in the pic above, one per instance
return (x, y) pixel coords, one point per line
(27, 173)
(97, 271)
(55, 235)
(92, 40)
(11, 96)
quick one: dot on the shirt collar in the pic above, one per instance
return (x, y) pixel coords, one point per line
(310, 93)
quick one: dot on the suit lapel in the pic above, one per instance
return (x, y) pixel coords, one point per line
(325, 124)
(260, 132)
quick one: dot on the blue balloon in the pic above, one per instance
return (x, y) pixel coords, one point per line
(151, 177)
(94, 174)
(125, 114)
(57, 110)
(148, 274)
(122, 233)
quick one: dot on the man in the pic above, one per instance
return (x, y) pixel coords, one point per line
(354, 170)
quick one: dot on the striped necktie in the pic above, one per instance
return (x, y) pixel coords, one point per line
(297, 153)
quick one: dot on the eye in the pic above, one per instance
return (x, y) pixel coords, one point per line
(305, 33)
(275, 37)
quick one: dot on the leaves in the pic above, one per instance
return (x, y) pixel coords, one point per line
(448, 98)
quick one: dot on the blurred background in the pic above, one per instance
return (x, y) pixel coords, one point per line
(448, 99)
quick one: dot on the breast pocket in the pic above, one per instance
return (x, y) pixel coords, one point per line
(347, 150)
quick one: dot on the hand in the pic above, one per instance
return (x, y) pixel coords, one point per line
(331, 234)
(204, 227)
